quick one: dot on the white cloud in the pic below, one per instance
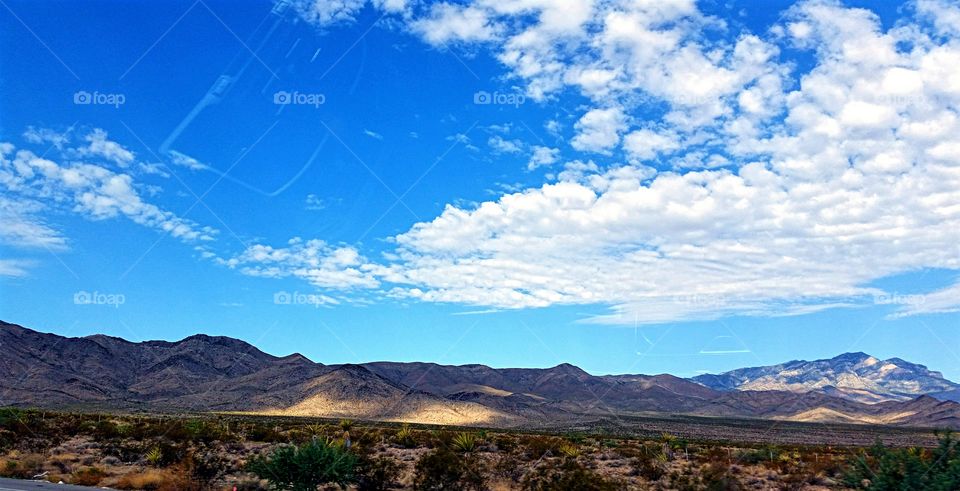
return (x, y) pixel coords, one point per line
(314, 202)
(373, 134)
(20, 226)
(599, 130)
(91, 190)
(327, 12)
(98, 145)
(945, 16)
(502, 145)
(15, 267)
(184, 160)
(448, 22)
(942, 301)
(646, 144)
(41, 136)
(315, 261)
(830, 179)
(553, 127)
(542, 156)
(861, 180)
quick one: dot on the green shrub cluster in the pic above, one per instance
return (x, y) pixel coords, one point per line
(303, 468)
(907, 469)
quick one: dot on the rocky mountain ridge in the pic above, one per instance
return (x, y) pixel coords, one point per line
(854, 376)
(215, 373)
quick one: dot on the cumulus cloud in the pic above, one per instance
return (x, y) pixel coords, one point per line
(326, 12)
(98, 145)
(542, 156)
(599, 130)
(321, 264)
(861, 180)
(646, 144)
(449, 22)
(783, 193)
(502, 145)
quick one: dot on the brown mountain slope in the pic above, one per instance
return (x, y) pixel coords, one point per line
(210, 373)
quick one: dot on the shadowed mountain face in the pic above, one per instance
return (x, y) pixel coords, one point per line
(854, 376)
(205, 373)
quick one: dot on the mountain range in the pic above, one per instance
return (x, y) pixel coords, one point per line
(215, 373)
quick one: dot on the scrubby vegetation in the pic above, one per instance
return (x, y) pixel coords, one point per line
(223, 452)
(304, 467)
(907, 469)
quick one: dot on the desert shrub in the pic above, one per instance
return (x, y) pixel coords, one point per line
(205, 465)
(247, 484)
(880, 468)
(443, 469)
(650, 468)
(576, 438)
(305, 467)
(538, 446)
(25, 467)
(87, 476)
(377, 474)
(203, 431)
(7, 439)
(263, 433)
(717, 477)
(505, 442)
(767, 455)
(564, 475)
(102, 429)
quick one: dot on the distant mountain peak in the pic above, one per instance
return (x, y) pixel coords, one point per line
(856, 376)
(855, 357)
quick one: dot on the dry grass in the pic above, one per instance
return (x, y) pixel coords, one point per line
(154, 480)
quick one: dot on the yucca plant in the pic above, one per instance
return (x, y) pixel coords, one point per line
(569, 450)
(404, 437)
(315, 429)
(305, 467)
(465, 442)
(154, 456)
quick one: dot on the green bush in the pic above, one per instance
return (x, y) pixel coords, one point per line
(305, 467)
(442, 469)
(881, 469)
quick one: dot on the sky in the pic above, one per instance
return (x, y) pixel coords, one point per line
(629, 186)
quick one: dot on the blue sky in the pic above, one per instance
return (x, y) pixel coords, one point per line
(633, 188)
